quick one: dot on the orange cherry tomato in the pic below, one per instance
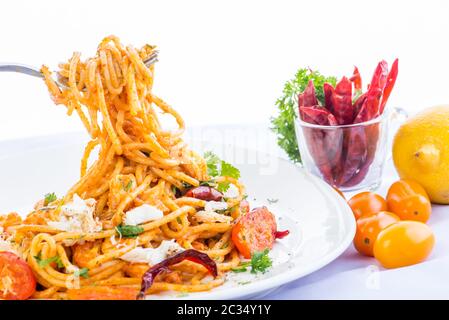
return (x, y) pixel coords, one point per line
(254, 231)
(17, 280)
(102, 293)
(404, 243)
(409, 201)
(367, 202)
(368, 228)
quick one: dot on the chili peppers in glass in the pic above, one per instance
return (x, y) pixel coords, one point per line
(343, 138)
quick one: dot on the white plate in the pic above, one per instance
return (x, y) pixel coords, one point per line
(320, 222)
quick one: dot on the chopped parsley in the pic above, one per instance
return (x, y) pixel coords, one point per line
(83, 272)
(128, 186)
(49, 198)
(127, 231)
(260, 262)
(42, 263)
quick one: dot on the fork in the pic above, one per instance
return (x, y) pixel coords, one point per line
(61, 82)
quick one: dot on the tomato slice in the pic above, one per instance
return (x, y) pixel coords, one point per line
(102, 293)
(17, 281)
(254, 232)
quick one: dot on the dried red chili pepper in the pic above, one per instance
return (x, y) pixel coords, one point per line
(205, 193)
(190, 254)
(281, 234)
(328, 93)
(370, 108)
(342, 102)
(308, 97)
(356, 79)
(354, 153)
(391, 79)
(325, 145)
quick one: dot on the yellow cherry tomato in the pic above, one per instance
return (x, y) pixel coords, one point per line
(368, 228)
(367, 202)
(404, 243)
(409, 201)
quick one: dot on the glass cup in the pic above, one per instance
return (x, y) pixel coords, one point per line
(348, 157)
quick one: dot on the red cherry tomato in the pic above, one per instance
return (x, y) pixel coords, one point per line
(17, 279)
(254, 232)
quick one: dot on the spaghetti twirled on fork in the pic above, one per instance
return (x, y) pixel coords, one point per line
(139, 164)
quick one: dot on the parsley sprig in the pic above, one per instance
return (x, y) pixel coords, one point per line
(217, 167)
(260, 262)
(283, 125)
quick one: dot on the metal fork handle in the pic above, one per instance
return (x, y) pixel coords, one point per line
(21, 68)
(29, 70)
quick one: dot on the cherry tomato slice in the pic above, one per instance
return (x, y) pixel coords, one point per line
(368, 228)
(17, 279)
(254, 232)
(409, 201)
(404, 243)
(102, 293)
(367, 202)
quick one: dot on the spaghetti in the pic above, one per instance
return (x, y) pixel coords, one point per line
(139, 164)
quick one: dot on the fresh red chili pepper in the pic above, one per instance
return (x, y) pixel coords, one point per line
(391, 79)
(190, 254)
(281, 234)
(342, 102)
(356, 79)
(204, 193)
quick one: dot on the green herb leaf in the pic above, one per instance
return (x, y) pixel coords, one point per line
(283, 124)
(242, 267)
(260, 261)
(127, 231)
(212, 162)
(49, 198)
(223, 186)
(217, 167)
(228, 170)
(128, 186)
(82, 273)
(45, 262)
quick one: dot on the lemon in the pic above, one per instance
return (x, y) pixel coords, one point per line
(421, 151)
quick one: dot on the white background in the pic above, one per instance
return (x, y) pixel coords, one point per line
(224, 61)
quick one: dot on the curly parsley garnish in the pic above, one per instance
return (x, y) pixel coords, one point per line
(260, 262)
(217, 167)
(283, 124)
